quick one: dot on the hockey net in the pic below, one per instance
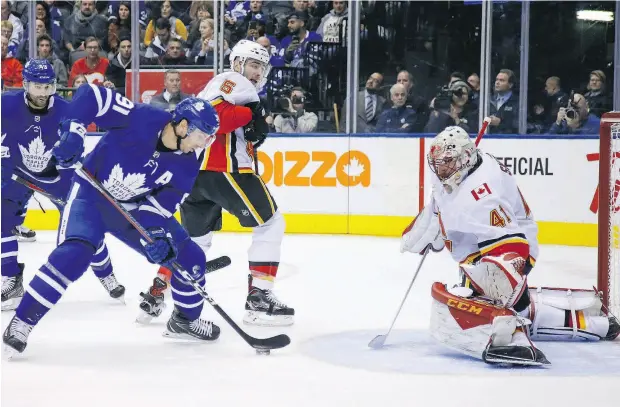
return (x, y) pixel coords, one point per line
(609, 212)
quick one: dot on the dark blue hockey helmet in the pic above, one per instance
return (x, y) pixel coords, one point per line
(39, 71)
(39, 81)
(199, 115)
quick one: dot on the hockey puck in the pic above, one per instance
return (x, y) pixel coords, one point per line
(263, 352)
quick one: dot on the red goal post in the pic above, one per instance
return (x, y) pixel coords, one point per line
(609, 212)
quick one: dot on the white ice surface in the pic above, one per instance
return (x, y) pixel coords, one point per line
(89, 352)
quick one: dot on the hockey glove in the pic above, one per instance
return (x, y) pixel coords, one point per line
(69, 149)
(256, 130)
(162, 249)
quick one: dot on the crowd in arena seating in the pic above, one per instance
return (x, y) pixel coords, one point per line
(307, 43)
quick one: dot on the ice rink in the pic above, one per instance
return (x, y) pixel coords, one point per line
(345, 289)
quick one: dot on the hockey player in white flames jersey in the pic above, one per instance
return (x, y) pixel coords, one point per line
(478, 213)
(227, 181)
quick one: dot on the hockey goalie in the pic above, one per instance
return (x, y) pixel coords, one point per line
(479, 215)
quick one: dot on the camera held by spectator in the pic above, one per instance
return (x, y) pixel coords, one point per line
(294, 117)
(575, 118)
(450, 109)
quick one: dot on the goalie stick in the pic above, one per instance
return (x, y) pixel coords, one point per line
(378, 341)
(274, 342)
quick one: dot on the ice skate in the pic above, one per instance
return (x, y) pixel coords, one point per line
(520, 352)
(152, 303)
(264, 309)
(13, 289)
(115, 290)
(614, 329)
(182, 328)
(15, 337)
(24, 234)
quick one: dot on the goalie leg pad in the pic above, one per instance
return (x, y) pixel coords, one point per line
(565, 314)
(478, 328)
(498, 277)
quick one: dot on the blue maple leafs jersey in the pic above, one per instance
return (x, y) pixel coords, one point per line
(127, 160)
(28, 136)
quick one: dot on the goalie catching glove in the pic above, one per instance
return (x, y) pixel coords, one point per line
(424, 230)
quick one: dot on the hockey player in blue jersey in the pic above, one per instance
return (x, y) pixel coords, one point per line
(30, 122)
(148, 160)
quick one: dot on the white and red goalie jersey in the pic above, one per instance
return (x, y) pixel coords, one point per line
(485, 215)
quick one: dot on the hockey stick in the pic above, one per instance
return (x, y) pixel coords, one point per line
(378, 341)
(275, 342)
(217, 264)
(35, 188)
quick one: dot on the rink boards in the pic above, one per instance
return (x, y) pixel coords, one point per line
(374, 185)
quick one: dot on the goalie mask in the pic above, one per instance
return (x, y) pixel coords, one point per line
(253, 61)
(451, 156)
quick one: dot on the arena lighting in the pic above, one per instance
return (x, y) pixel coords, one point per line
(595, 15)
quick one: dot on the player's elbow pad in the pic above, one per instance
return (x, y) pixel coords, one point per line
(421, 232)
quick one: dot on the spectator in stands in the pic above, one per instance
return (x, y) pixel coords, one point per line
(295, 118)
(303, 6)
(40, 29)
(7, 31)
(120, 26)
(474, 84)
(330, 27)
(175, 27)
(449, 109)
(116, 72)
(159, 44)
(92, 65)
(52, 26)
(294, 46)
(172, 94)
(598, 99)
(11, 67)
(203, 46)
(84, 23)
(504, 104)
(199, 11)
(415, 102)
(369, 104)
(175, 54)
(555, 99)
(456, 76)
(576, 119)
(45, 51)
(18, 29)
(57, 14)
(400, 118)
(207, 59)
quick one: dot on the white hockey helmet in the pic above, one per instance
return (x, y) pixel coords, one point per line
(451, 156)
(245, 50)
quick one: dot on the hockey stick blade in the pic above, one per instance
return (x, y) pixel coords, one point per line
(275, 342)
(377, 342)
(217, 264)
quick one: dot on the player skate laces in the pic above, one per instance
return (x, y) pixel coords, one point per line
(23, 229)
(202, 327)
(8, 283)
(20, 329)
(271, 297)
(109, 282)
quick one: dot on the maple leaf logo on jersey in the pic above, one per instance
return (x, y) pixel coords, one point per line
(124, 187)
(5, 150)
(200, 106)
(35, 158)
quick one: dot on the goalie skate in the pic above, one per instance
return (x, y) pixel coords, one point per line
(521, 352)
(152, 303)
(13, 290)
(264, 309)
(15, 337)
(180, 327)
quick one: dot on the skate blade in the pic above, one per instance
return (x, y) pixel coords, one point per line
(503, 361)
(12, 304)
(9, 353)
(26, 239)
(186, 337)
(262, 319)
(143, 318)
